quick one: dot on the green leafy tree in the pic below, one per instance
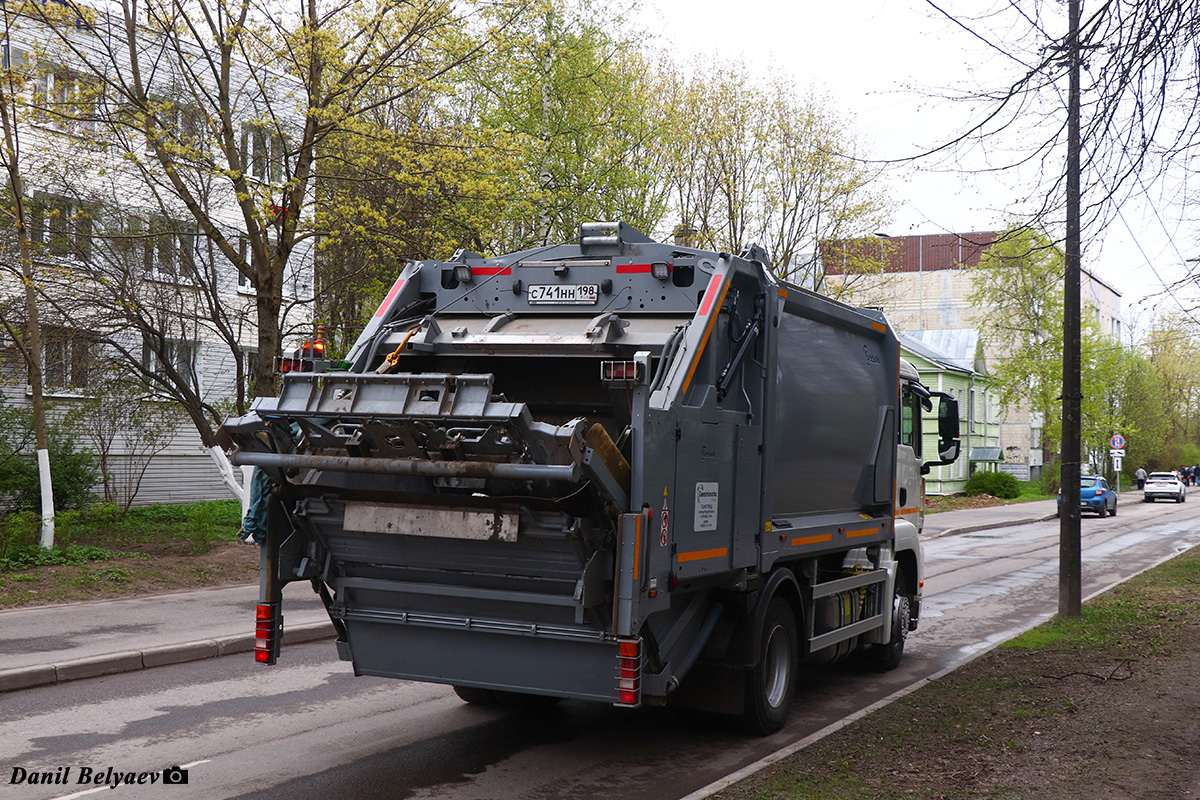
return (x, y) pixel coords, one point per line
(1147, 419)
(1019, 281)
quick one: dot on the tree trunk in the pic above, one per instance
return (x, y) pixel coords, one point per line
(32, 349)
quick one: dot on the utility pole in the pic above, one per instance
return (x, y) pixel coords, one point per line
(1070, 575)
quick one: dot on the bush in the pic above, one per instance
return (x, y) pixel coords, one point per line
(1051, 477)
(73, 473)
(997, 484)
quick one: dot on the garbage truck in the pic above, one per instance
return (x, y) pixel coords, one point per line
(614, 470)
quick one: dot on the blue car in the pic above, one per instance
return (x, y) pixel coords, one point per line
(1094, 495)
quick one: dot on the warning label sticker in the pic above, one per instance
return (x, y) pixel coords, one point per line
(706, 506)
(662, 538)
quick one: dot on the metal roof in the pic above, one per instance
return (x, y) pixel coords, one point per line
(954, 348)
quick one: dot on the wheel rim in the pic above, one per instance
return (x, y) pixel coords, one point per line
(777, 667)
(903, 616)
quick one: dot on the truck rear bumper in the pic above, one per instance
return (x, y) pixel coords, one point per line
(562, 663)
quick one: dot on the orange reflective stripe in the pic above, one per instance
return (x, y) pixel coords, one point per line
(706, 306)
(825, 537)
(637, 547)
(861, 532)
(700, 555)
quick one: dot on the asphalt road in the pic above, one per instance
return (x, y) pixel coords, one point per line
(309, 729)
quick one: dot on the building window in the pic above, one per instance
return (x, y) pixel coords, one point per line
(66, 101)
(162, 249)
(244, 284)
(180, 355)
(248, 355)
(263, 154)
(183, 126)
(60, 227)
(971, 411)
(68, 359)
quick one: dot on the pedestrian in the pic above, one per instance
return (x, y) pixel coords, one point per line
(1141, 478)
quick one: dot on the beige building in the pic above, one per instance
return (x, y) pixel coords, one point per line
(925, 286)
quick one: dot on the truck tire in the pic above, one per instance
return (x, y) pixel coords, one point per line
(771, 685)
(886, 657)
(476, 696)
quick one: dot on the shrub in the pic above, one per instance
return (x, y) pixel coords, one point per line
(997, 484)
(1051, 477)
(73, 472)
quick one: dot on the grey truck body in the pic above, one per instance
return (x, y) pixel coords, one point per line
(581, 445)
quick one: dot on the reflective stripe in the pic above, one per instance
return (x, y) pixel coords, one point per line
(861, 532)
(705, 306)
(825, 537)
(700, 555)
(391, 295)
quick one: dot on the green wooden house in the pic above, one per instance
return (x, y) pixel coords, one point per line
(952, 361)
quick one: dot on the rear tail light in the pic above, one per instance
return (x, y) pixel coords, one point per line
(623, 371)
(629, 672)
(268, 632)
(308, 357)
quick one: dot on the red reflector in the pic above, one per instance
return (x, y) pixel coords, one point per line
(628, 649)
(262, 612)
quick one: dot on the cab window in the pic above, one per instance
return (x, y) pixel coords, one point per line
(910, 421)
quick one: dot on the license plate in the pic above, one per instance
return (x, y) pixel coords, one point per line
(567, 294)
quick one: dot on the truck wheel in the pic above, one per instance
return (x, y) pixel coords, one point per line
(771, 684)
(476, 696)
(886, 657)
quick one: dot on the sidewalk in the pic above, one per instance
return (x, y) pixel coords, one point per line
(968, 520)
(52, 644)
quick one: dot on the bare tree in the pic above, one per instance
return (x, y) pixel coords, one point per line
(1140, 99)
(205, 123)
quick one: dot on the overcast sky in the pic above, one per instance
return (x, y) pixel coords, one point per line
(884, 61)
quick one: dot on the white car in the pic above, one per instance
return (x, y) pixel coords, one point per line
(1165, 485)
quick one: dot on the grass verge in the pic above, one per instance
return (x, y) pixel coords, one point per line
(101, 553)
(1076, 709)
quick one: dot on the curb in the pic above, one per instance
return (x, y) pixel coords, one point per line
(132, 660)
(987, 526)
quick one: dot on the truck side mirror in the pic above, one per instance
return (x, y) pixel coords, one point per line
(948, 431)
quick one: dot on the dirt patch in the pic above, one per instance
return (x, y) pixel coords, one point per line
(142, 568)
(957, 502)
